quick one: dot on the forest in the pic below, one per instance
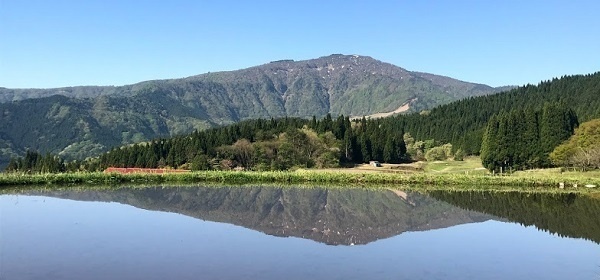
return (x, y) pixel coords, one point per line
(275, 144)
(523, 139)
(463, 122)
(518, 129)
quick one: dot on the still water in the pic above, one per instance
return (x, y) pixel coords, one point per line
(296, 233)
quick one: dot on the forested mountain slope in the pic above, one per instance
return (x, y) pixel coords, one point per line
(76, 122)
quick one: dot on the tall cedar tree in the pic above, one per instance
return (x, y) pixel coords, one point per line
(522, 139)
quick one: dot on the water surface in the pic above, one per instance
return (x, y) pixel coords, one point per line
(296, 233)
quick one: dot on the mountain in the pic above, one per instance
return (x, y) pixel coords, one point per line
(77, 122)
(332, 216)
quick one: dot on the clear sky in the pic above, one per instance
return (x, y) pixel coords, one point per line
(116, 42)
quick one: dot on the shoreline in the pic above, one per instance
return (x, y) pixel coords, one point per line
(473, 181)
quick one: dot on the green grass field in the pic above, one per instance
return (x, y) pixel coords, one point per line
(451, 177)
(471, 165)
(467, 174)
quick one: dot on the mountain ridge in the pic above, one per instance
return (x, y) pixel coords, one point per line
(87, 91)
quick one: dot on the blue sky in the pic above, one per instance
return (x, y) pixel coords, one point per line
(68, 43)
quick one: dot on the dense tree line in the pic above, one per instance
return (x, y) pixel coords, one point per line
(274, 144)
(523, 139)
(34, 162)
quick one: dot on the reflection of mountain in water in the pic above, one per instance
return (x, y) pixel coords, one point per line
(569, 215)
(332, 216)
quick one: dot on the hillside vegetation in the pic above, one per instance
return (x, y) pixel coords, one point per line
(582, 149)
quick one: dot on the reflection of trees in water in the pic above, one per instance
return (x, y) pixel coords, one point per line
(568, 214)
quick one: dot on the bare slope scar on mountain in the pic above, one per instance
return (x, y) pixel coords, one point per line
(400, 109)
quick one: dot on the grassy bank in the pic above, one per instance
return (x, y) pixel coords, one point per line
(304, 176)
(471, 165)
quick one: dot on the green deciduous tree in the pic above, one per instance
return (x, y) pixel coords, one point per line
(581, 149)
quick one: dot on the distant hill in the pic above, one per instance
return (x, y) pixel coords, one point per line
(77, 122)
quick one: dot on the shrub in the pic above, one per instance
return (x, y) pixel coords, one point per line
(459, 155)
(436, 153)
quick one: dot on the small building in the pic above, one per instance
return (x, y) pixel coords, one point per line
(375, 163)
